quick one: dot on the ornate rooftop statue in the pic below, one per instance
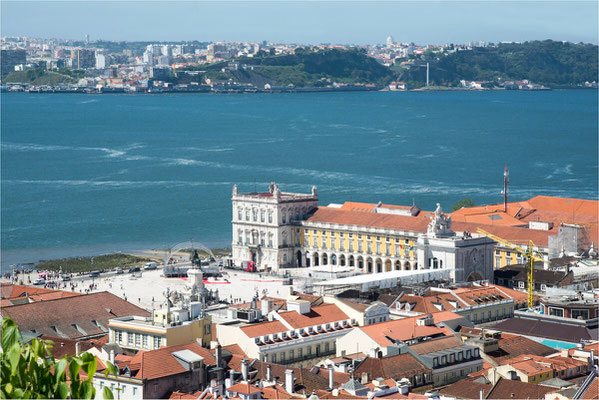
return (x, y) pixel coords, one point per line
(440, 223)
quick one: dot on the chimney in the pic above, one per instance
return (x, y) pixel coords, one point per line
(232, 376)
(111, 357)
(269, 373)
(289, 381)
(219, 356)
(331, 377)
(267, 306)
(245, 369)
(77, 348)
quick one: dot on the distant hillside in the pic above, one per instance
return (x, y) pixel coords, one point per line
(307, 68)
(40, 77)
(555, 64)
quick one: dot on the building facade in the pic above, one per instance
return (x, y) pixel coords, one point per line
(263, 226)
(275, 229)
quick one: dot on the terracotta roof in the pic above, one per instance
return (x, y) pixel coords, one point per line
(185, 396)
(325, 394)
(304, 379)
(406, 328)
(161, 362)
(466, 389)
(278, 392)
(244, 388)
(323, 314)
(509, 389)
(592, 392)
(395, 367)
(263, 328)
(63, 313)
(511, 346)
(62, 346)
(235, 350)
(419, 223)
(532, 364)
(277, 303)
(361, 307)
(540, 208)
(388, 221)
(437, 344)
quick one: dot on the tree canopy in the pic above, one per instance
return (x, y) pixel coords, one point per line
(28, 369)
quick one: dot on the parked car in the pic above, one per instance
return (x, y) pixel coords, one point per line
(39, 282)
(150, 266)
(134, 269)
(94, 274)
(66, 278)
(119, 271)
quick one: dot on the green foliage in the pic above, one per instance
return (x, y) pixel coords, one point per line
(40, 77)
(464, 203)
(311, 68)
(84, 264)
(28, 370)
(546, 62)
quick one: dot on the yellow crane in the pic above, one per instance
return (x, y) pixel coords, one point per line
(531, 256)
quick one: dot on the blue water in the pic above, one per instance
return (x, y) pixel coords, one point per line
(85, 174)
(557, 345)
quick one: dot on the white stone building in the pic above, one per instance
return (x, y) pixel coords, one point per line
(263, 225)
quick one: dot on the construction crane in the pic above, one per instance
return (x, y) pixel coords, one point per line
(531, 255)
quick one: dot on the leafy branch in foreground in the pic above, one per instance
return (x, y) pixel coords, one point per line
(28, 370)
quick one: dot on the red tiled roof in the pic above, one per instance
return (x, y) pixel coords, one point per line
(437, 344)
(509, 389)
(420, 223)
(63, 313)
(62, 346)
(263, 328)
(244, 388)
(235, 350)
(323, 314)
(511, 346)
(395, 367)
(466, 389)
(161, 362)
(406, 328)
(185, 396)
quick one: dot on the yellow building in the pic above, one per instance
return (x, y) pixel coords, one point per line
(139, 333)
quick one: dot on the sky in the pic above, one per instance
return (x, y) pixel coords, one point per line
(306, 22)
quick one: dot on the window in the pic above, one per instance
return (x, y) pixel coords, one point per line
(137, 340)
(369, 244)
(468, 355)
(157, 342)
(378, 248)
(300, 352)
(261, 215)
(254, 215)
(273, 357)
(583, 314)
(247, 214)
(270, 217)
(129, 338)
(326, 347)
(557, 312)
(134, 390)
(282, 356)
(207, 329)
(291, 354)
(309, 351)
(145, 341)
(521, 285)
(118, 336)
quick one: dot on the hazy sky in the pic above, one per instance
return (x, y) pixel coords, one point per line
(355, 22)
